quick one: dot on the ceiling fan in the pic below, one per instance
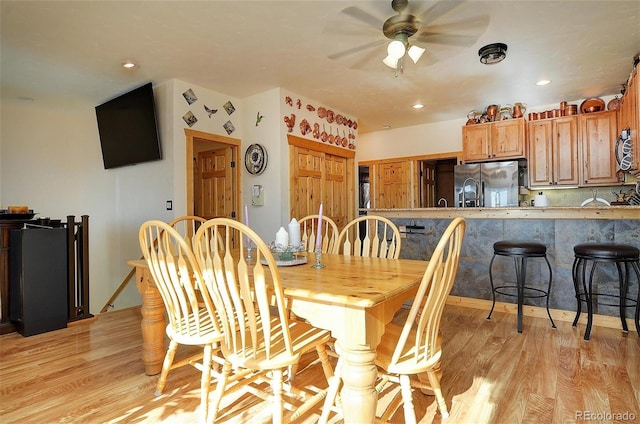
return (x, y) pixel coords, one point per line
(413, 33)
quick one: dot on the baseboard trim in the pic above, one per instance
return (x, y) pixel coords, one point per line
(539, 312)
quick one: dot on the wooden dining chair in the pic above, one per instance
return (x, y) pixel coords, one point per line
(257, 336)
(416, 347)
(309, 233)
(187, 226)
(370, 236)
(190, 309)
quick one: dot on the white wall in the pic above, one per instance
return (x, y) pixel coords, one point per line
(176, 106)
(439, 137)
(52, 162)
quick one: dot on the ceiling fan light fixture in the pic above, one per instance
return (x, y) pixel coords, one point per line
(492, 53)
(415, 53)
(391, 62)
(396, 49)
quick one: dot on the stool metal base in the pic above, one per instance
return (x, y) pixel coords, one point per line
(584, 290)
(520, 262)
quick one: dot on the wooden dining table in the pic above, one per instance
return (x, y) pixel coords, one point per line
(353, 297)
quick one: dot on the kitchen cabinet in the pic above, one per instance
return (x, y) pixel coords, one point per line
(553, 152)
(629, 117)
(494, 140)
(598, 134)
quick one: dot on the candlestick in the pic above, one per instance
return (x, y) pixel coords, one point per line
(319, 236)
(246, 222)
(318, 263)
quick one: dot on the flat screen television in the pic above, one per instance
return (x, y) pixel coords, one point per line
(128, 129)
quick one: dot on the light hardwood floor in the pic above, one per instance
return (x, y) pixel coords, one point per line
(92, 373)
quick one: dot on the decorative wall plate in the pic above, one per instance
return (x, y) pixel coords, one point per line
(255, 159)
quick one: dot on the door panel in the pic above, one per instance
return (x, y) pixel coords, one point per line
(394, 188)
(214, 184)
(335, 189)
(319, 177)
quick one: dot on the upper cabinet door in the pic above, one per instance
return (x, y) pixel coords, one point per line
(553, 152)
(507, 139)
(540, 153)
(475, 142)
(565, 148)
(598, 134)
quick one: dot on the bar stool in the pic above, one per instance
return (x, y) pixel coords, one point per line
(605, 253)
(520, 251)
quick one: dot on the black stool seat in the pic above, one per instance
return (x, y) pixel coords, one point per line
(587, 289)
(520, 251)
(607, 251)
(514, 247)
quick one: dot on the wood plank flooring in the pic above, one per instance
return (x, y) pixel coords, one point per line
(92, 373)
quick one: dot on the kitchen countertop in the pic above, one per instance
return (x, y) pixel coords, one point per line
(577, 212)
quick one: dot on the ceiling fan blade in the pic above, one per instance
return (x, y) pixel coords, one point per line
(367, 61)
(439, 9)
(356, 49)
(363, 16)
(462, 33)
(446, 39)
(475, 25)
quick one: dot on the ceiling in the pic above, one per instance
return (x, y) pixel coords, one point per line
(61, 52)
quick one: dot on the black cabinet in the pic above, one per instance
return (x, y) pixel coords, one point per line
(38, 280)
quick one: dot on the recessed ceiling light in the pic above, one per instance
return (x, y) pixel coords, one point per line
(418, 106)
(128, 64)
(386, 127)
(543, 82)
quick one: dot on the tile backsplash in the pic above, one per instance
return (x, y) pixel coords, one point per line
(575, 196)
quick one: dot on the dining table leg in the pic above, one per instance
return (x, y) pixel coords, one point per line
(359, 397)
(153, 323)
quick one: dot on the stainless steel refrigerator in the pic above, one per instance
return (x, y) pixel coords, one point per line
(491, 184)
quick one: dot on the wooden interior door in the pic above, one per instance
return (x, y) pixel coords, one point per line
(394, 185)
(335, 189)
(428, 177)
(199, 141)
(306, 184)
(214, 184)
(320, 173)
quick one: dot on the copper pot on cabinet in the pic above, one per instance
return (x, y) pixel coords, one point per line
(518, 110)
(492, 112)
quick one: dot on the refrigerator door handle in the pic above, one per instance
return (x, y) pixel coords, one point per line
(481, 195)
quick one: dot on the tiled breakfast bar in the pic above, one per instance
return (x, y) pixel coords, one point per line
(558, 228)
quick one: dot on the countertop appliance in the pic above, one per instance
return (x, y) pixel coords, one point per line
(490, 184)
